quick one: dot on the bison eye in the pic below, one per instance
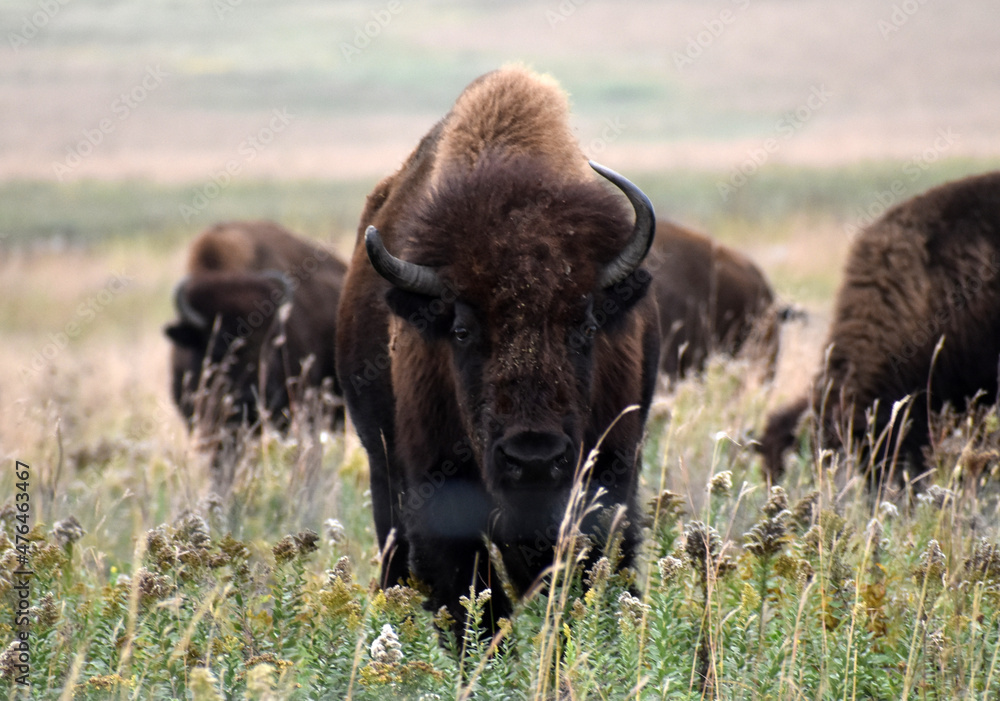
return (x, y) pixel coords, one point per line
(590, 330)
(460, 334)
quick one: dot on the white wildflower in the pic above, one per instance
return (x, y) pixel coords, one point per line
(386, 648)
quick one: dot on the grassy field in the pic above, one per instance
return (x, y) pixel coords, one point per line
(147, 586)
(819, 591)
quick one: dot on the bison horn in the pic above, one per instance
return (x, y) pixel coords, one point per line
(184, 308)
(402, 274)
(642, 233)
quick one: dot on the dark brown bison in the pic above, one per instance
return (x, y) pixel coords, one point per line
(494, 324)
(256, 326)
(712, 299)
(927, 272)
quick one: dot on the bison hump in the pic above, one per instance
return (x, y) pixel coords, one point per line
(514, 110)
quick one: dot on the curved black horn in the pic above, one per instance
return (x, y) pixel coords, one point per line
(184, 308)
(406, 276)
(642, 233)
(287, 290)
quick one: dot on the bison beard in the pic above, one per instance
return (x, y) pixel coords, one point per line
(509, 305)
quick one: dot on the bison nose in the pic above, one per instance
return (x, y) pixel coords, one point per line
(534, 456)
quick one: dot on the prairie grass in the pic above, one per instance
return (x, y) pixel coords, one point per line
(148, 586)
(742, 591)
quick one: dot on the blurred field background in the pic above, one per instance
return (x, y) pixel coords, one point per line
(681, 96)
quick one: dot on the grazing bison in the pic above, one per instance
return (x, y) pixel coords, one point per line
(927, 271)
(494, 324)
(711, 299)
(256, 326)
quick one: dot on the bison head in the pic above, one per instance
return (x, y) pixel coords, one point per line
(229, 324)
(513, 286)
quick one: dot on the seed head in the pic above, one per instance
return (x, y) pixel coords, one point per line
(334, 531)
(802, 512)
(777, 502)
(631, 611)
(702, 544)
(306, 541)
(936, 497)
(401, 601)
(768, 536)
(234, 549)
(385, 648)
(9, 660)
(483, 597)
(888, 510)
(192, 530)
(341, 571)
(285, 550)
(443, 620)
(721, 484)
(876, 533)
(667, 504)
(669, 566)
(599, 574)
(159, 548)
(932, 564)
(152, 587)
(47, 612)
(983, 564)
(67, 531)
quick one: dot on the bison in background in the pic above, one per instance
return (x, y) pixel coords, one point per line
(927, 272)
(712, 299)
(255, 333)
(493, 326)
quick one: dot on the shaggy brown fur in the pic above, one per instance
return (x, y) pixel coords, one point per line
(514, 111)
(711, 299)
(256, 357)
(929, 268)
(499, 200)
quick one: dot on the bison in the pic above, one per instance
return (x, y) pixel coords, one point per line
(927, 272)
(256, 327)
(493, 328)
(711, 299)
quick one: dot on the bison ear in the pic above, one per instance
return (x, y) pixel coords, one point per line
(624, 295)
(185, 335)
(431, 316)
